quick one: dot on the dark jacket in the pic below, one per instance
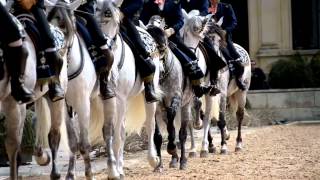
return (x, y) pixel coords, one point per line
(229, 20)
(171, 13)
(201, 5)
(132, 8)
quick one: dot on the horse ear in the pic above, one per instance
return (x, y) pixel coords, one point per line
(142, 25)
(185, 14)
(117, 2)
(75, 4)
(219, 23)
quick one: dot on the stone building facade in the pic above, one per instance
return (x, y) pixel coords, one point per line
(277, 29)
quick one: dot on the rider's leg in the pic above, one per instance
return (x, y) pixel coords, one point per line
(107, 88)
(145, 63)
(235, 67)
(238, 67)
(216, 63)
(16, 56)
(190, 64)
(54, 60)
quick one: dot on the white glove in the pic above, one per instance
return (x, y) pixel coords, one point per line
(169, 32)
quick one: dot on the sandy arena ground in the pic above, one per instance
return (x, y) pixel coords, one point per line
(277, 152)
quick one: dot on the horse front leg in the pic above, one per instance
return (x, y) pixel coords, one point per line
(241, 97)
(153, 159)
(185, 118)
(54, 136)
(206, 127)
(73, 139)
(192, 152)
(15, 117)
(110, 110)
(158, 143)
(171, 147)
(222, 125)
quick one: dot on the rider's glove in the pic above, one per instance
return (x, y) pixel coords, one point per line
(169, 32)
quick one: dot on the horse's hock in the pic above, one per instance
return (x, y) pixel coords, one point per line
(267, 107)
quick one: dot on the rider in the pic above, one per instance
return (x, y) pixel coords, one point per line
(15, 55)
(200, 5)
(229, 23)
(86, 11)
(130, 12)
(216, 63)
(53, 58)
(170, 10)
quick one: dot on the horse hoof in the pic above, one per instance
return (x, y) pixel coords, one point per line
(238, 149)
(154, 161)
(70, 176)
(173, 163)
(183, 166)
(172, 151)
(224, 152)
(55, 176)
(158, 169)
(227, 136)
(204, 154)
(212, 149)
(192, 154)
(44, 159)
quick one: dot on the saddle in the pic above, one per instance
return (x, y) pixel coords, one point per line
(30, 26)
(146, 38)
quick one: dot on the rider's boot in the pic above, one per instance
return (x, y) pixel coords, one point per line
(150, 94)
(214, 79)
(55, 62)
(16, 58)
(238, 72)
(196, 75)
(107, 87)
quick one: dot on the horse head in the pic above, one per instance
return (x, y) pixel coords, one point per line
(195, 27)
(109, 16)
(155, 28)
(216, 33)
(62, 16)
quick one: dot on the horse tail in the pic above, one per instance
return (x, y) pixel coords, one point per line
(215, 108)
(96, 121)
(43, 125)
(43, 122)
(136, 114)
(233, 105)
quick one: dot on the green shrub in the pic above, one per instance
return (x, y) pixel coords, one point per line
(315, 68)
(293, 73)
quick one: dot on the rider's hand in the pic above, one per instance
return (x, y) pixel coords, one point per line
(169, 32)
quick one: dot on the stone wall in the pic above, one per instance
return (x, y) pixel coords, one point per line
(291, 104)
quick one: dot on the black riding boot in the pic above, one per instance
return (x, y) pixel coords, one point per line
(147, 69)
(213, 80)
(238, 72)
(16, 58)
(195, 74)
(55, 62)
(107, 89)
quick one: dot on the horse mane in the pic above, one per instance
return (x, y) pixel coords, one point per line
(216, 29)
(159, 36)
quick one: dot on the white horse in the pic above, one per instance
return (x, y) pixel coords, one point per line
(15, 113)
(128, 85)
(228, 87)
(82, 93)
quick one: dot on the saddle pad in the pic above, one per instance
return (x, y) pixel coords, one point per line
(148, 41)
